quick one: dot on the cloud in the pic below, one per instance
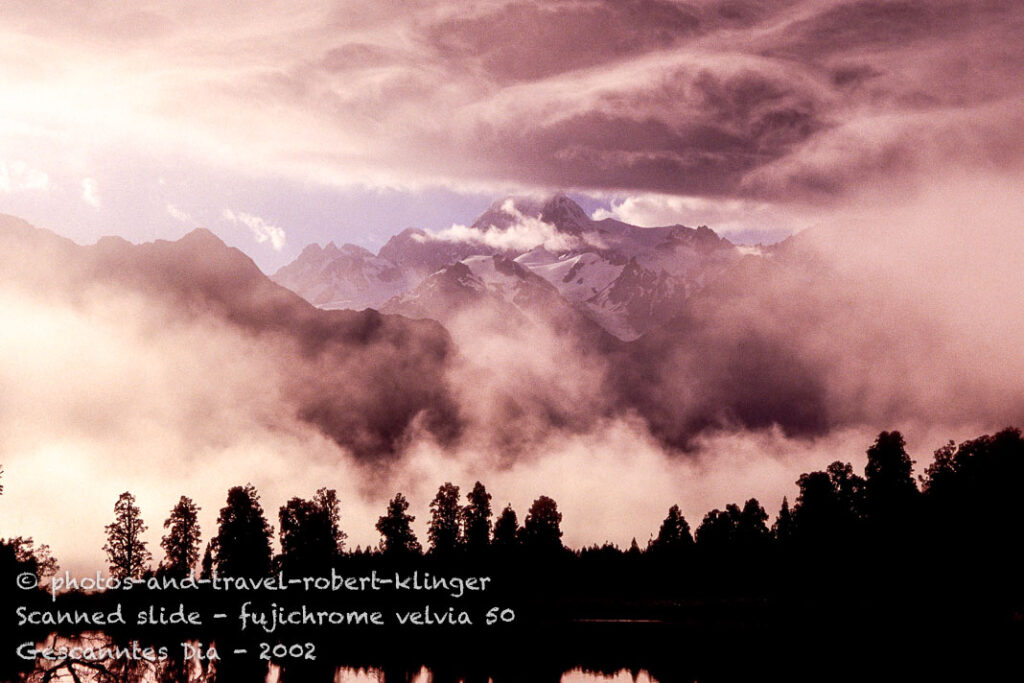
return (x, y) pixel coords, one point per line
(18, 176)
(90, 193)
(908, 146)
(739, 220)
(913, 321)
(716, 99)
(520, 232)
(118, 392)
(261, 230)
(128, 412)
(614, 483)
(152, 386)
(178, 214)
(904, 310)
(778, 369)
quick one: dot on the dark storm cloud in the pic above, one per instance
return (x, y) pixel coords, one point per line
(723, 126)
(727, 99)
(674, 98)
(522, 42)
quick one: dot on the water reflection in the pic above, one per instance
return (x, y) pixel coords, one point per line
(425, 675)
(98, 658)
(95, 657)
(623, 676)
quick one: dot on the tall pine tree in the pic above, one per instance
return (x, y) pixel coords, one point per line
(127, 554)
(674, 535)
(477, 519)
(396, 535)
(242, 545)
(181, 544)
(310, 536)
(445, 521)
(506, 529)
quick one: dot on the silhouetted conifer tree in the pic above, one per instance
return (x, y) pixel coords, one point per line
(941, 476)
(310, 535)
(126, 551)
(674, 534)
(890, 487)
(829, 507)
(476, 517)
(181, 544)
(242, 545)
(445, 530)
(972, 491)
(395, 527)
(718, 530)
(751, 529)
(850, 492)
(206, 566)
(542, 530)
(506, 529)
(782, 529)
(20, 554)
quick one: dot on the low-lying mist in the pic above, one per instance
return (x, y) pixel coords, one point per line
(895, 313)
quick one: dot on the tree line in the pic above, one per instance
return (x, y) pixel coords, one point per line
(964, 501)
(310, 536)
(835, 509)
(881, 554)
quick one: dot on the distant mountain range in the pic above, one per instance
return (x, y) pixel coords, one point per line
(361, 378)
(539, 257)
(549, 321)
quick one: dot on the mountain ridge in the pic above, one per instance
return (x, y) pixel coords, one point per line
(624, 278)
(364, 379)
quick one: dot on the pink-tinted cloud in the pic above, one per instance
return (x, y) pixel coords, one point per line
(741, 221)
(729, 99)
(262, 231)
(522, 233)
(18, 176)
(144, 370)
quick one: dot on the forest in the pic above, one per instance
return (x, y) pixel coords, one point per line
(883, 552)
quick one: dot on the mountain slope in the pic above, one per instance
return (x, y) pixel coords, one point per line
(361, 378)
(347, 277)
(624, 278)
(504, 294)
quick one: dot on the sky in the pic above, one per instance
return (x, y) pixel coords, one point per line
(898, 125)
(351, 120)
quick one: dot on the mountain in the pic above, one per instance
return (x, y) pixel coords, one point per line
(623, 278)
(362, 379)
(346, 277)
(415, 251)
(467, 285)
(501, 294)
(630, 279)
(787, 341)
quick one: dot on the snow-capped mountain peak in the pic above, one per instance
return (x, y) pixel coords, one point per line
(566, 215)
(522, 250)
(557, 210)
